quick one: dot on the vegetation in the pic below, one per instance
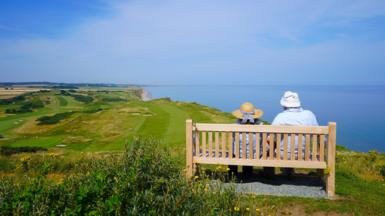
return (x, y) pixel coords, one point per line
(143, 181)
(6, 150)
(12, 100)
(53, 119)
(27, 106)
(89, 171)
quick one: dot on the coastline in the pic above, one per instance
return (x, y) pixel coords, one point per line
(145, 95)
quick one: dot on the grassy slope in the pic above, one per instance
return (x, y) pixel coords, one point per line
(358, 179)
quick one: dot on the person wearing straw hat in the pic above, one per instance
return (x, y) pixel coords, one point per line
(246, 114)
(293, 114)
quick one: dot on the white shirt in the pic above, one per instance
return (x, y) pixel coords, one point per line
(295, 116)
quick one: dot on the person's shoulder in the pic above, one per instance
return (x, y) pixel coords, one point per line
(308, 112)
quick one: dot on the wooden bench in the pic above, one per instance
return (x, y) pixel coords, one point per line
(212, 144)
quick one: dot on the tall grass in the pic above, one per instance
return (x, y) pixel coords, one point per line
(143, 181)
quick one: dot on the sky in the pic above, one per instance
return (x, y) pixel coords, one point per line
(242, 42)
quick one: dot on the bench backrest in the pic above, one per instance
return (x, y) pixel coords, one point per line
(223, 143)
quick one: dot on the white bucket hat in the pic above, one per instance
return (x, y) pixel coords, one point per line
(290, 100)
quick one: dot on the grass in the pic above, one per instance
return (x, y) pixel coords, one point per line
(102, 128)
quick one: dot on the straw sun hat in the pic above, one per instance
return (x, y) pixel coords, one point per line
(249, 109)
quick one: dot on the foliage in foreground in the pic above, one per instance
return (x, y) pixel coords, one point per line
(142, 181)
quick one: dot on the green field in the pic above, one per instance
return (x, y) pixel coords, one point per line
(106, 124)
(101, 122)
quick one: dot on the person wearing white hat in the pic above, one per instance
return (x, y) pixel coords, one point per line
(293, 114)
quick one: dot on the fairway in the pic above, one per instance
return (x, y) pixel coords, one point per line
(112, 119)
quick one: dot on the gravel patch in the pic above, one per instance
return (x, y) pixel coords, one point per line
(299, 186)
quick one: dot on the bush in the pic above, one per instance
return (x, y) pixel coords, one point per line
(44, 120)
(144, 181)
(12, 100)
(1, 136)
(27, 106)
(82, 98)
(5, 150)
(382, 171)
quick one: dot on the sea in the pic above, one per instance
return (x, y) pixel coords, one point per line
(358, 110)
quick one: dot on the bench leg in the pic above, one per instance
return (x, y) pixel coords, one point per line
(189, 171)
(330, 183)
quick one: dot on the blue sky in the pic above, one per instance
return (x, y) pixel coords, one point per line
(193, 42)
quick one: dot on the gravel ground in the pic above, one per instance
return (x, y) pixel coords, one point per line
(300, 186)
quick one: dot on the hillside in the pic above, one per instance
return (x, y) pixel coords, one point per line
(82, 133)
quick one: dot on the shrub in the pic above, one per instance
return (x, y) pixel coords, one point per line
(143, 181)
(6, 150)
(12, 100)
(53, 119)
(382, 171)
(27, 106)
(82, 98)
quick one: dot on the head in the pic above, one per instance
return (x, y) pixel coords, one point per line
(290, 100)
(247, 114)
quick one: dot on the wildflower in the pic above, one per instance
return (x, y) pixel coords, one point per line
(24, 158)
(236, 209)
(196, 177)
(227, 169)
(247, 209)
(257, 210)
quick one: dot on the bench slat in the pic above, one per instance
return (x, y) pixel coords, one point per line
(236, 145)
(278, 143)
(244, 145)
(262, 128)
(271, 147)
(322, 148)
(197, 143)
(314, 150)
(257, 145)
(264, 145)
(230, 144)
(204, 140)
(262, 163)
(300, 146)
(292, 147)
(251, 145)
(307, 147)
(285, 144)
(210, 144)
(223, 136)
(216, 153)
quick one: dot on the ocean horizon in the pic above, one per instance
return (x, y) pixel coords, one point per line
(359, 110)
